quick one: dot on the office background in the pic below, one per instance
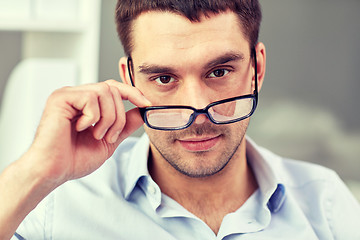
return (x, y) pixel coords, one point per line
(308, 107)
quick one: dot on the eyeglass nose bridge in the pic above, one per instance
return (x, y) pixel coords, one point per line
(198, 112)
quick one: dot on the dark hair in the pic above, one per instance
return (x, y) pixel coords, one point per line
(248, 12)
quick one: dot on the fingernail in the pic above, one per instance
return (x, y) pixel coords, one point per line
(146, 101)
(115, 137)
(81, 128)
(102, 134)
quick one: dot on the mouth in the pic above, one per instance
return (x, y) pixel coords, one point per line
(199, 144)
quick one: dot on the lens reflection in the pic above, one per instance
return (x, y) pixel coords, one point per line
(169, 118)
(229, 111)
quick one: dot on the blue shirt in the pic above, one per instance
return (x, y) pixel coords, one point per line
(295, 200)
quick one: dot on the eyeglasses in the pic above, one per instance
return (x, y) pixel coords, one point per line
(177, 117)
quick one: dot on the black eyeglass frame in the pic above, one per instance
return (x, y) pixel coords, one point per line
(198, 112)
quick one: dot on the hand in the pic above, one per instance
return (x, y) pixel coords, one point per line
(81, 128)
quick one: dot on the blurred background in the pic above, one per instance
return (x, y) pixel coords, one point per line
(308, 107)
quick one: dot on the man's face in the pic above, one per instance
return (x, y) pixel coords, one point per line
(178, 62)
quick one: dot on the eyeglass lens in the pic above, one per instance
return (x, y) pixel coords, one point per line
(229, 111)
(219, 113)
(169, 118)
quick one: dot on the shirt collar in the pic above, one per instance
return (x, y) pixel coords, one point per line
(267, 169)
(265, 166)
(137, 164)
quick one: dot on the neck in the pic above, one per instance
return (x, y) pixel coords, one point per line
(210, 197)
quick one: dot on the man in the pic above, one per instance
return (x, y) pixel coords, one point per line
(194, 69)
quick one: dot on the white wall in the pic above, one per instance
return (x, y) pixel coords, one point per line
(10, 51)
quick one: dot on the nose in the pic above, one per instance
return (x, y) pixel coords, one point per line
(200, 119)
(197, 95)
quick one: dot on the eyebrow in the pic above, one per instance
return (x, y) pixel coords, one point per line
(154, 69)
(225, 58)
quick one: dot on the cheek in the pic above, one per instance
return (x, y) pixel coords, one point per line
(237, 130)
(244, 85)
(154, 96)
(158, 137)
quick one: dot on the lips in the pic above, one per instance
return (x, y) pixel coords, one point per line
(199, 144)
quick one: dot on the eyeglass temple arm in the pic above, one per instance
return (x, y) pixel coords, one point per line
(255, 66)
(130, 68)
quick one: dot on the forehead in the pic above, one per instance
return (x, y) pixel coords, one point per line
(164, 33)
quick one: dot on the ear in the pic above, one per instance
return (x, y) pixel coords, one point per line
(261, 63)
(123, 71)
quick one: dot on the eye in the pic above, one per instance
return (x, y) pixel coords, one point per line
(163, 80)
(218, 73)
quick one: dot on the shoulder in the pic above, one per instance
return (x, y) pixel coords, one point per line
(320, 193)
(323, 194)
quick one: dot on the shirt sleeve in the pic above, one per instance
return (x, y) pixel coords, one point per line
(38, 224)
(344, 212)
(17, 237)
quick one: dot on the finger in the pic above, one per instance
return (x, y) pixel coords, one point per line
(130, 93)
(107, 111)
(86, 103)
(133, 122)
(120, 117)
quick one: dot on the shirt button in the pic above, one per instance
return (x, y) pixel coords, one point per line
(251, 221)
